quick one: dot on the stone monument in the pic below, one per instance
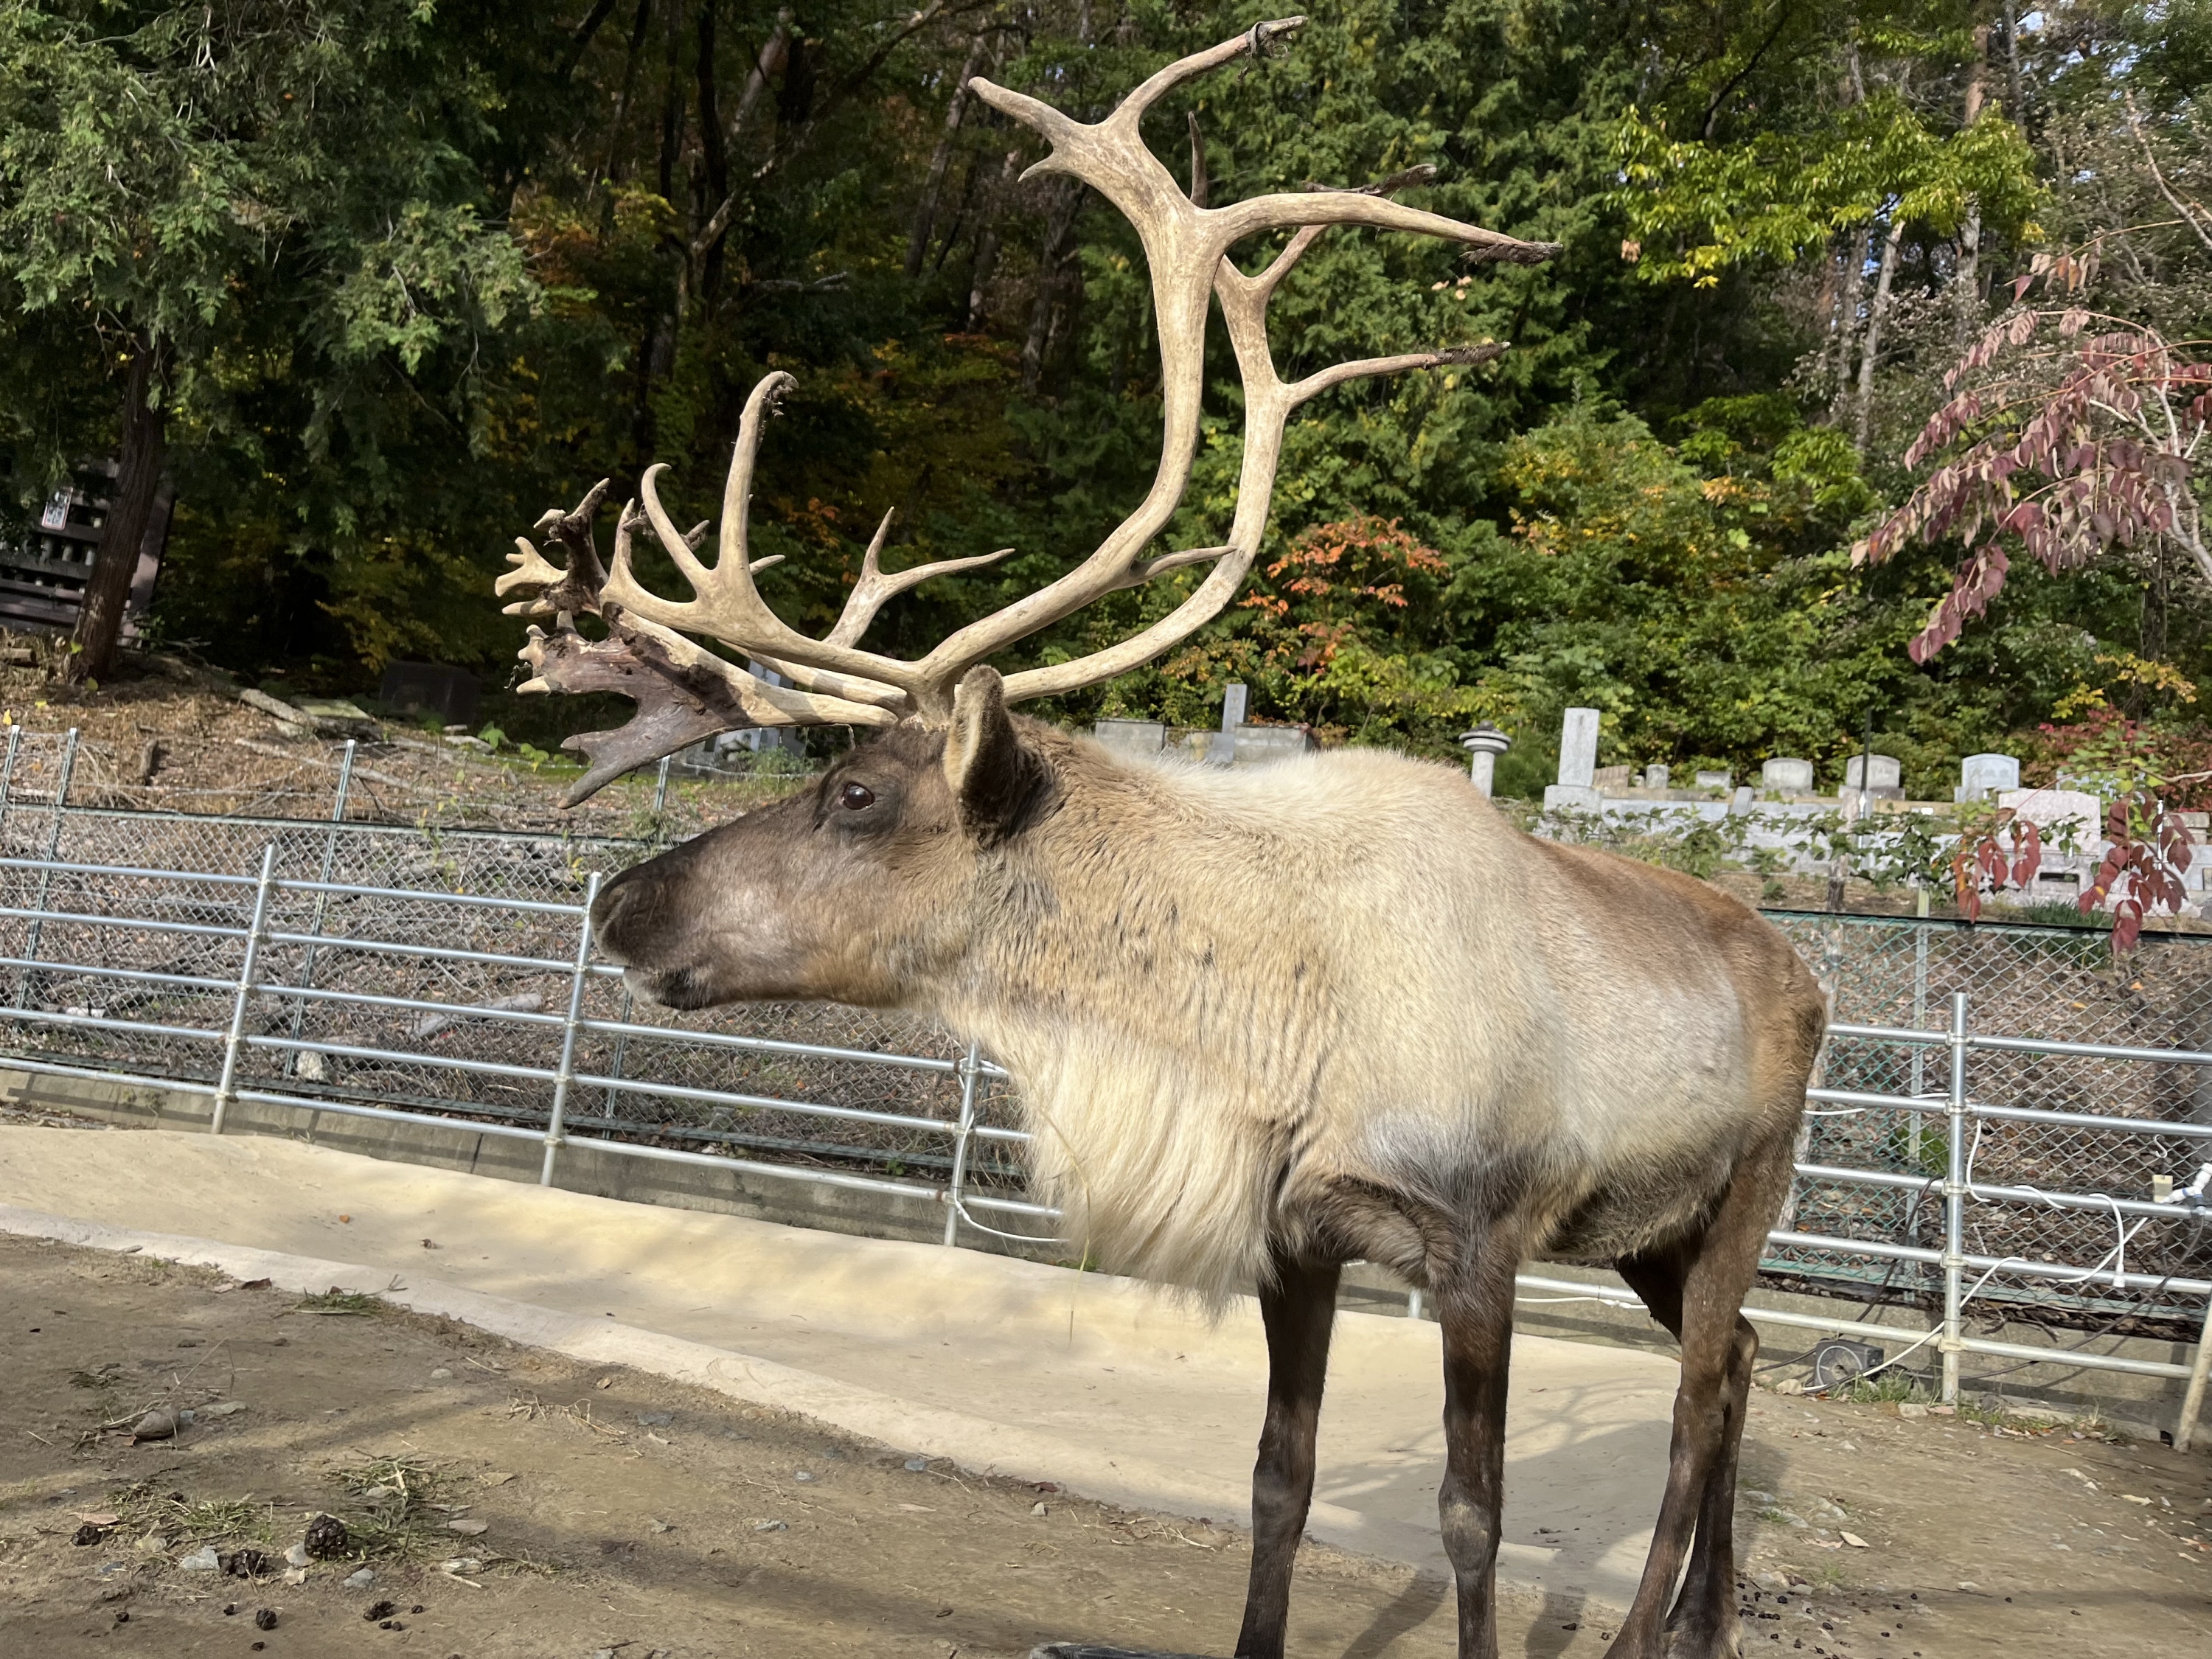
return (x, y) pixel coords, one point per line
(1577, 764)
(1983, 777)
(1787, 775)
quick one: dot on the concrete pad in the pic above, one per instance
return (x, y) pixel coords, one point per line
(1104, 1385)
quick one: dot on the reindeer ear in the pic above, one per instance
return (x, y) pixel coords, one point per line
(992, 776)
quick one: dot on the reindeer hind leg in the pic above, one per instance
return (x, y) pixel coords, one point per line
(1696, 1289)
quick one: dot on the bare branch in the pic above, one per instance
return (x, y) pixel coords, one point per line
(2150, 161)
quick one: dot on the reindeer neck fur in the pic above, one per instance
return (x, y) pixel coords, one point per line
(1174, 962)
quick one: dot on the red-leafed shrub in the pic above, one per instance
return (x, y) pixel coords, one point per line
(2142, 868)
(2067, 432)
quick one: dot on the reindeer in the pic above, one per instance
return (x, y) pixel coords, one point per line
(1262, 1023)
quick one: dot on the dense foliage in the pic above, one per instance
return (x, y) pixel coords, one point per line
(408, 273)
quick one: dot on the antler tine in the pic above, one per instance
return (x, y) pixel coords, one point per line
(683, 693)
(726, 606)
(1268, 405)
(1255, 40)
(874, 589)
(577, 587)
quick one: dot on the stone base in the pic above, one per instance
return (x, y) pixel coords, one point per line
(1579, 797)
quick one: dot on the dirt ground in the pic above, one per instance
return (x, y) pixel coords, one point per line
(511, 1502)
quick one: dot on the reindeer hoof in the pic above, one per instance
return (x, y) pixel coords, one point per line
(1093, 1650)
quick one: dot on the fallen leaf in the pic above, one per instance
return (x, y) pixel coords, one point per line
(1854, 1540)
(605, 1382)
(2129, 1497)
(469, 1528)
(102, 1518)
(918, 1508)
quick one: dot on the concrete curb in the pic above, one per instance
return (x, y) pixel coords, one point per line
(971, 1442)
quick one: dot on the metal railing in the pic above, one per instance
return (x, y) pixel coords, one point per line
(404, 1002)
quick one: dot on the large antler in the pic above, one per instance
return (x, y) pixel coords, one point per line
(1186, 246)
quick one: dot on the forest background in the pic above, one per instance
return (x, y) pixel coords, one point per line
(377, 281)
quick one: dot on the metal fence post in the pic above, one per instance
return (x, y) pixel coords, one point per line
(1919, 1011)
(1955, 1202)
(227, 1087)
(556, 1119)
(46, 875)
(322, 902)
(8, 780)
(968, 1072)
(2192, 1398)
(660, 787)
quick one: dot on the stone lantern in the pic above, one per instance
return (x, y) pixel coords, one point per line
(1484, 745)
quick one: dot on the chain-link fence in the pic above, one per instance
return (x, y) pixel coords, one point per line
(2051, 1185)
(435, 973)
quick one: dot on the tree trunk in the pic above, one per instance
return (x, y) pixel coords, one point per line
(2019, 110)
(713, 161)
(1857, 252)
(615, 127)
(1058, 241)
(1876, 313)
(986, 241)
(917, 242)
(130, 507)
(1966, 294)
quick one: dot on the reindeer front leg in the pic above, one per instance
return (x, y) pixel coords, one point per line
(1474, 1305)
(1299, 1310)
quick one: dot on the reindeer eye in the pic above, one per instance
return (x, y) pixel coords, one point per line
(852, 797)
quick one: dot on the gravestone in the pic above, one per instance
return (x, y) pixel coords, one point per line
(1609, 778)
(1221, 748)
(1887, 776)
(1578, 748)
(2053, 811)
(1787, 775)
(1654, 776)
(1136, 739)
(1981, 776)
(1257, 746)
(1577, 764)
(1721, 781)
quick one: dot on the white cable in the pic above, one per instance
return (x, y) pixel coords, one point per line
(961, 1210)
(1608, 1301)
(2124, 1233)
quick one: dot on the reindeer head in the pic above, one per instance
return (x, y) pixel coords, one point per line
(685, 692)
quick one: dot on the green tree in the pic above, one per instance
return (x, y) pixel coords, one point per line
(191, 195)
